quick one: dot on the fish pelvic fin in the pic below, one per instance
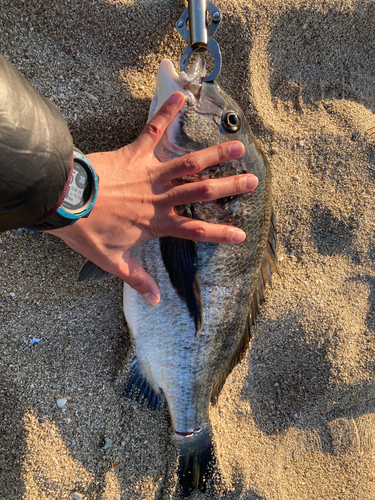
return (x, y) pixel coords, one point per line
(269, 266)
(90, 270)
(138, 388)
(196, 457)
(180, 260)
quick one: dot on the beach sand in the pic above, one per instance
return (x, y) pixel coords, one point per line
(295, 420)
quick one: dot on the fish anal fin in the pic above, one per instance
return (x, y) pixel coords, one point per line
(180, 260)
(269, 266)
(138, 388)
(90, 270)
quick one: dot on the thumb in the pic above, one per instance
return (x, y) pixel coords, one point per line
(135, 276)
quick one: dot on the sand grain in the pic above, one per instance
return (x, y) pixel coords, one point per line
(296, 419)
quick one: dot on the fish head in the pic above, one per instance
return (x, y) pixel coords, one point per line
(209, 116)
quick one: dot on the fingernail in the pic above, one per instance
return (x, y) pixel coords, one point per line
(237, 149)
(238, 236)
(176, 98)
(251, 183)
(151, 299)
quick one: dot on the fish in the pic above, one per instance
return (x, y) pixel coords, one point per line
(186, 347)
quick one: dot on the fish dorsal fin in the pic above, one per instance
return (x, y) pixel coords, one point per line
(90, 270)
(180, 260)
(138, 381)
(269, 266)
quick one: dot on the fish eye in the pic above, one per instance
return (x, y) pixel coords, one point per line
(231, 121)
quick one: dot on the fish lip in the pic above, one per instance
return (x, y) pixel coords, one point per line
(168, 81)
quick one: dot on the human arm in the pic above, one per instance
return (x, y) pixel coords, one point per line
(136, 193)
(35, 151)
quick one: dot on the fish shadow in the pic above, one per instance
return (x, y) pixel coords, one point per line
(370, 316)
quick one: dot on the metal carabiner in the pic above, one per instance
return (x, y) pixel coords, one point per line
(199, 35)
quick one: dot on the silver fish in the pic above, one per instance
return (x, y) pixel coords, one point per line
(186, 347)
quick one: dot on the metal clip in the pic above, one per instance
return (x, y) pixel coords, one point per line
(199, 35)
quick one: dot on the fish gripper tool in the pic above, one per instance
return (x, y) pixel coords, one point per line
(199, 34)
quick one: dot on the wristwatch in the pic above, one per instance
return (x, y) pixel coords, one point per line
(80, 198)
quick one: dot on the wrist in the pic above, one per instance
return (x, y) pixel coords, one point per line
(78, 197)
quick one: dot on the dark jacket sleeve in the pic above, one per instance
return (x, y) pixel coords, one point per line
(35, 151)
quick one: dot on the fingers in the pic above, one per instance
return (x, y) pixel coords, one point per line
(133, 274)
(154, 129)
(202, 231)
(196, 162)
(212, 189)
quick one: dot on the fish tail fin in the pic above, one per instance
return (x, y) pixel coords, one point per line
(195, 460)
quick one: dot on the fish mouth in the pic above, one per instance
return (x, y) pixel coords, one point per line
(168, 81)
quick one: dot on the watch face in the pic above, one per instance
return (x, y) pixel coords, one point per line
(79, 189)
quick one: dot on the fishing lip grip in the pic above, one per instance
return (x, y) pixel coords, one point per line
(199, 35)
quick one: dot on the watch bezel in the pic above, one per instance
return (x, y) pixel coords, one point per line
(84, 211)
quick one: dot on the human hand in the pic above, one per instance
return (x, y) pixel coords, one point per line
(136, 199)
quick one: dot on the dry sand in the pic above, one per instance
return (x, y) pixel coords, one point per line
(295, 420)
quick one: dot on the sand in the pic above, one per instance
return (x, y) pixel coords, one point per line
(295, 420)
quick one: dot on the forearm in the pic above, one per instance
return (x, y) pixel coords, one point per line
(35, 151)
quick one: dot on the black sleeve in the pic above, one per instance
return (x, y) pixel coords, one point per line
(35, 151)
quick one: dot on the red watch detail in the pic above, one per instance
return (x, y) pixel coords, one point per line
(62, 196)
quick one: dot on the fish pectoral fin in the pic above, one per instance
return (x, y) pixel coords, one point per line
(138, 381)
(90, 270)
(181, 262)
